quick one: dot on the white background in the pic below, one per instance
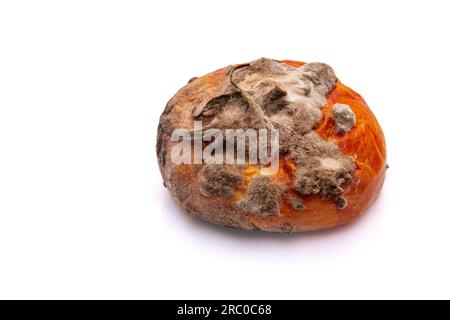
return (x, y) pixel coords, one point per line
(83, 212)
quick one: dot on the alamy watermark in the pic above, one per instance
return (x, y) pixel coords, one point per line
(226, 146)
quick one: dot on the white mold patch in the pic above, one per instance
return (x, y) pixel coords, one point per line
(344, 118)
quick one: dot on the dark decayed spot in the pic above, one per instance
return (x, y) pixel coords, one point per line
(219, 180)
(263, 196)
(341, 202)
